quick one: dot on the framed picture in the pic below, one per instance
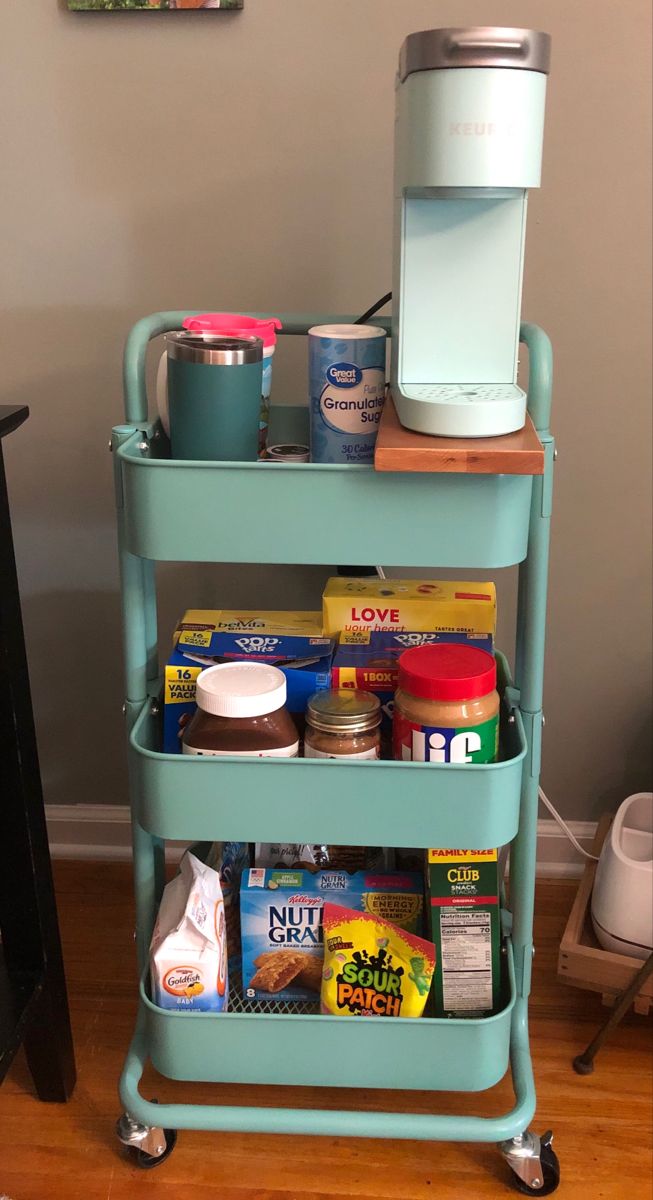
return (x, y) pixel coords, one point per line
(132, 5)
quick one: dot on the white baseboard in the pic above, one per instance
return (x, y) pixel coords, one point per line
(556, 857)
(102, 831)
(95, 831)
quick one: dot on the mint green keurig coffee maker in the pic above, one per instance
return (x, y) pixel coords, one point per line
(468, 146)
(214, 395)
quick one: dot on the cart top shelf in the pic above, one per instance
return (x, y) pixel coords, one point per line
(399, 449)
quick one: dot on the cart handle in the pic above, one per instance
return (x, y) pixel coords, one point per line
(540, 374)
(540, 364)
(164, 322)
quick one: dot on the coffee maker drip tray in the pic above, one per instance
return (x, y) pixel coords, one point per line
(460, 393)
(462, 409)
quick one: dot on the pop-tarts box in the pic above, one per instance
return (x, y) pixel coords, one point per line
(268, 636)
(368, 659)
(292, 641)
(281, 922)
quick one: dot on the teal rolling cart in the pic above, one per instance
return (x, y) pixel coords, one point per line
(286, 513)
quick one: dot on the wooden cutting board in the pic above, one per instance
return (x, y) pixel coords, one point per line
(399, 449)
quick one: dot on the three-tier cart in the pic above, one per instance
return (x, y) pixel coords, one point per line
(486, 505)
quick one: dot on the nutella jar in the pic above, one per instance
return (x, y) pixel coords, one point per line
(446, 706)
(343, 723)
(240, 710)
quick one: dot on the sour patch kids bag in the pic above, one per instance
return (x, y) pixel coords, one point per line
(372, 968)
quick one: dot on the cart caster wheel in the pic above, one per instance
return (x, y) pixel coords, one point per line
(148, 1146)
(534, 1163)
(147, 1161)
(550, 1175)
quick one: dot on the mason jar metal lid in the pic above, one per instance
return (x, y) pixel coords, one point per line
(196, 346)
(475, 46)
(344, 710)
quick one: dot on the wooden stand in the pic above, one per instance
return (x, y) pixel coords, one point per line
(399, 449)
(583, 962)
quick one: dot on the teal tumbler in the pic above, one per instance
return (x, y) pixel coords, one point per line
(214, 395)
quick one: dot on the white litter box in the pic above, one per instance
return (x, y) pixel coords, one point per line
(622, 899)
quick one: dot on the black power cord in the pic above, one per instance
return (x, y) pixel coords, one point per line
(374, 309)
(348, 571)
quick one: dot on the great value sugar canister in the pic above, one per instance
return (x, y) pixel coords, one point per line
(347, 391)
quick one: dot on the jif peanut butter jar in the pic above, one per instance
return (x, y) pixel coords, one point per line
(241, 710)
(446, 706)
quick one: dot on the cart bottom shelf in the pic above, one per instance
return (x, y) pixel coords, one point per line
(310, 1049)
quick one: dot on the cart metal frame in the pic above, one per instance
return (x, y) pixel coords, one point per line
(138, 436)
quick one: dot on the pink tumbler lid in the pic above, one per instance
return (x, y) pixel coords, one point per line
(235, 325)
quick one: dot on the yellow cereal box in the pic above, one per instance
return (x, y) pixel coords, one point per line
(355, 605)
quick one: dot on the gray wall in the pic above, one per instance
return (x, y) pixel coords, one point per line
(244, 161)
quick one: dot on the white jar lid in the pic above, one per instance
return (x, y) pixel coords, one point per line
(346, 332)
(241, 689)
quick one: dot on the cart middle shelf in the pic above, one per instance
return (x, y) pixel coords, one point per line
(191, 798)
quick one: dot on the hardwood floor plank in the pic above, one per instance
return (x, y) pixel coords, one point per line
(602, 1123)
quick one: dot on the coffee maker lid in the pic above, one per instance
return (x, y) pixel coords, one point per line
(475, 46)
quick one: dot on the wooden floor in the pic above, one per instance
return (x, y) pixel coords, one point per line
(602, 1123)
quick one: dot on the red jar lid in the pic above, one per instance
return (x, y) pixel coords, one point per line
(446, 671)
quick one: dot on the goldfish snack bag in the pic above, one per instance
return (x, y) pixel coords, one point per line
(188, 952)
(372, 968)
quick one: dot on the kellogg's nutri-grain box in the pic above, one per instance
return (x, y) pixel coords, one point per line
(281, 922)
(420, 605)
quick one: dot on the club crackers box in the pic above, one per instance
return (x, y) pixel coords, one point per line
(463, 900)
(281, 922)
(292, 641)
(358, 604)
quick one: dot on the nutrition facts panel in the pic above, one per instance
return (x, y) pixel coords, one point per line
(466, 960)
